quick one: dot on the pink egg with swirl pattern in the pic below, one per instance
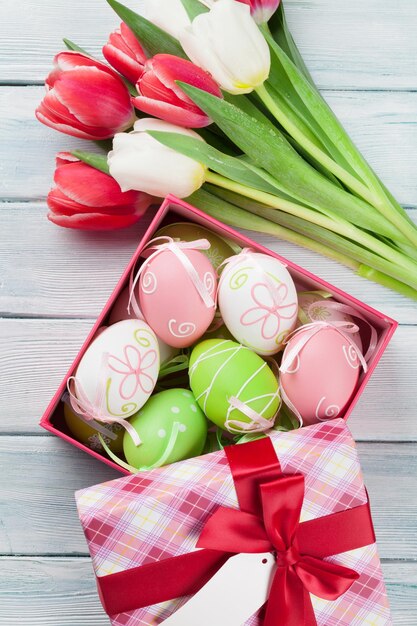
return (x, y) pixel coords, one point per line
(177, 293)
(319, 372)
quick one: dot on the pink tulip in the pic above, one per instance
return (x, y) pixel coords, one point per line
(85, 98)
(124, 52)
(161, 97)
(262, 10)
(88, 199)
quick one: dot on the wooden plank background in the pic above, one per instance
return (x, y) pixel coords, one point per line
(54, 282)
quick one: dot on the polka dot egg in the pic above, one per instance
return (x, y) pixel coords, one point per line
(171, 426)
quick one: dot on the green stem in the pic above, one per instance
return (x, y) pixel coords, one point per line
(238, 217)
(382, 279)
(339, 226)
(338, 243)
(291, 127)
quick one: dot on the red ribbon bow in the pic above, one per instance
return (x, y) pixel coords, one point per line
(268, 521)
(276, 530)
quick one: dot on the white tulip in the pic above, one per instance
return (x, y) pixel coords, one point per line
(169, 15)
(228, 44)
(140, 162)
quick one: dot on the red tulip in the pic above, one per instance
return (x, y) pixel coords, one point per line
(89, 199)
(161, 97)
(124, 52)
(262, 10)
(85, 98)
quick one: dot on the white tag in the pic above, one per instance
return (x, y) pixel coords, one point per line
(234, 593)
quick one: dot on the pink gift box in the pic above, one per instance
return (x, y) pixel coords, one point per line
(173, 210)
(155, 516)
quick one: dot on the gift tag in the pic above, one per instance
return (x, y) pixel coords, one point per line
(234, 593)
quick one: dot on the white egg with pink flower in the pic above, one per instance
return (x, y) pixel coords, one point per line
(258, 301)
(118, 371)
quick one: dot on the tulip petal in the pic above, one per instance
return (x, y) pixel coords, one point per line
(70, 60)
(53, 113)
(227, 43)
(171, 113)
(148, 123)
(169, 15)
(149, 166)
(60, 203)
(169, 69)
(150, 86)
(124, 52)
(122, 62)
(90, 187)
(95, 98)
(132, 42)
(65, 128)
(94, 221)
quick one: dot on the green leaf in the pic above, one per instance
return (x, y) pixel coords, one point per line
(231, 214)
(230, 208)
(268, 149)
(98, 161)
(74, 47)
(334, 241)
(153, 39)
(221, 142)
(339, 143)
(282, 35)
(285, 89)
(226, 165)
(194, 8)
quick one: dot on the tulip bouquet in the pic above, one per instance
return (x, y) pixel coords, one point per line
(211, 101)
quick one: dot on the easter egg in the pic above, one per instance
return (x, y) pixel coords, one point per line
(119, 370)
(89, 436)
(171, 426)
(258, 301)
(120, 312)
(220, 248)
(319, 373)
(178, 311)
(222, 371)
(313, 307)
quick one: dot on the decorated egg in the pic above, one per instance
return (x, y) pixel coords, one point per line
(220, 248)
(177, 294)
(120, 312)
(171, 426)
(316, 306)
(234, 387)
(319, 373)
(258, 301)
(118, 371)
(89, 435)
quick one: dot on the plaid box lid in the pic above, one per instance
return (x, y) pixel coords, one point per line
(149, 516)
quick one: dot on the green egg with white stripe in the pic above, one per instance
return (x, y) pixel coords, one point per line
(235, 387)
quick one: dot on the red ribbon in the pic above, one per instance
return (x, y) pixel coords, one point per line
(268, 521)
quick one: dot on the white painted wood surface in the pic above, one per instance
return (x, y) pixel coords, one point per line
(54, 282)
